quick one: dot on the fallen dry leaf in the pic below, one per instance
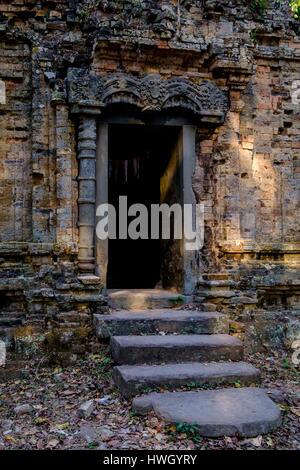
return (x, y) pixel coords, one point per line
(269, 442)
(57, 403)
(62, 426)
(295, 411)
(53, 443)
(256, 441)
(41, 420)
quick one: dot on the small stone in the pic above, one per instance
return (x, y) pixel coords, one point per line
(50, 75)
(59, 377)
(276, 395)
(106, 400)
(102, 447)
(23, 409)
(296, 398)
(88, 434)
(86, 409)
(6, 424)
(106, 433)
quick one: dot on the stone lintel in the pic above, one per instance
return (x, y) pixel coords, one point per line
(88, 94)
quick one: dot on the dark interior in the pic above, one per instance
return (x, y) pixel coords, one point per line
(138, 156)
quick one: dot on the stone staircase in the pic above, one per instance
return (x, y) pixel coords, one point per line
(171, 349)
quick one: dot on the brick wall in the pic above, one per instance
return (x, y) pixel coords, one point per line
(15, 149)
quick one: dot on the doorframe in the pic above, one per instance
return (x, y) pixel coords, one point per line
(92, 96)
(188, 136)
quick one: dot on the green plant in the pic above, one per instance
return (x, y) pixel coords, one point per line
(150, 389)
(191, 431)
(101, 364)
(237, 384)
(133, 416)
(259, 6)
(92, 445)
(253, 37)
(104, 366)
(232, 326)
(177, 300)
(295, 7)
(203, 386)
(286, 363)
(105, 362)
(83, 16)
(191, 385)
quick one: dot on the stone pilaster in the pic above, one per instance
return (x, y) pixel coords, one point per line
(64, 183)
(87, 192)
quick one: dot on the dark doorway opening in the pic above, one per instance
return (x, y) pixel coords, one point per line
(144, 164)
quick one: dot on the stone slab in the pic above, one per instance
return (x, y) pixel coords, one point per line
(150, 322)
(245, 412)
(132, 380)
(175, 349)
(136, 299)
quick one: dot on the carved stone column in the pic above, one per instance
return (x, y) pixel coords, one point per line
(87, 192)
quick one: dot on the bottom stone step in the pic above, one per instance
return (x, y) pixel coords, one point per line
(132, 380)
(246, 412)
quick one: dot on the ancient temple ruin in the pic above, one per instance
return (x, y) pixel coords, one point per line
(213, 83)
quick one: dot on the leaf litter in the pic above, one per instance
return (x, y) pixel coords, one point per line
(55, 395)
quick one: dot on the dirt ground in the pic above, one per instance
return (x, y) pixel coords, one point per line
(41, 411)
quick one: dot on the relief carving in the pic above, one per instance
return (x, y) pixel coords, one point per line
(149, 93)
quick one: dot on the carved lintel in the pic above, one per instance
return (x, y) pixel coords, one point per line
(90, 94)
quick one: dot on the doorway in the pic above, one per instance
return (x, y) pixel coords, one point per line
(145, 165)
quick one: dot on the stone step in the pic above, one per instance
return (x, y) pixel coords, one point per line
(246, 412)
(142, 322)
(175, 349)
(142, 299)
(132, 380)
(217, 284)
